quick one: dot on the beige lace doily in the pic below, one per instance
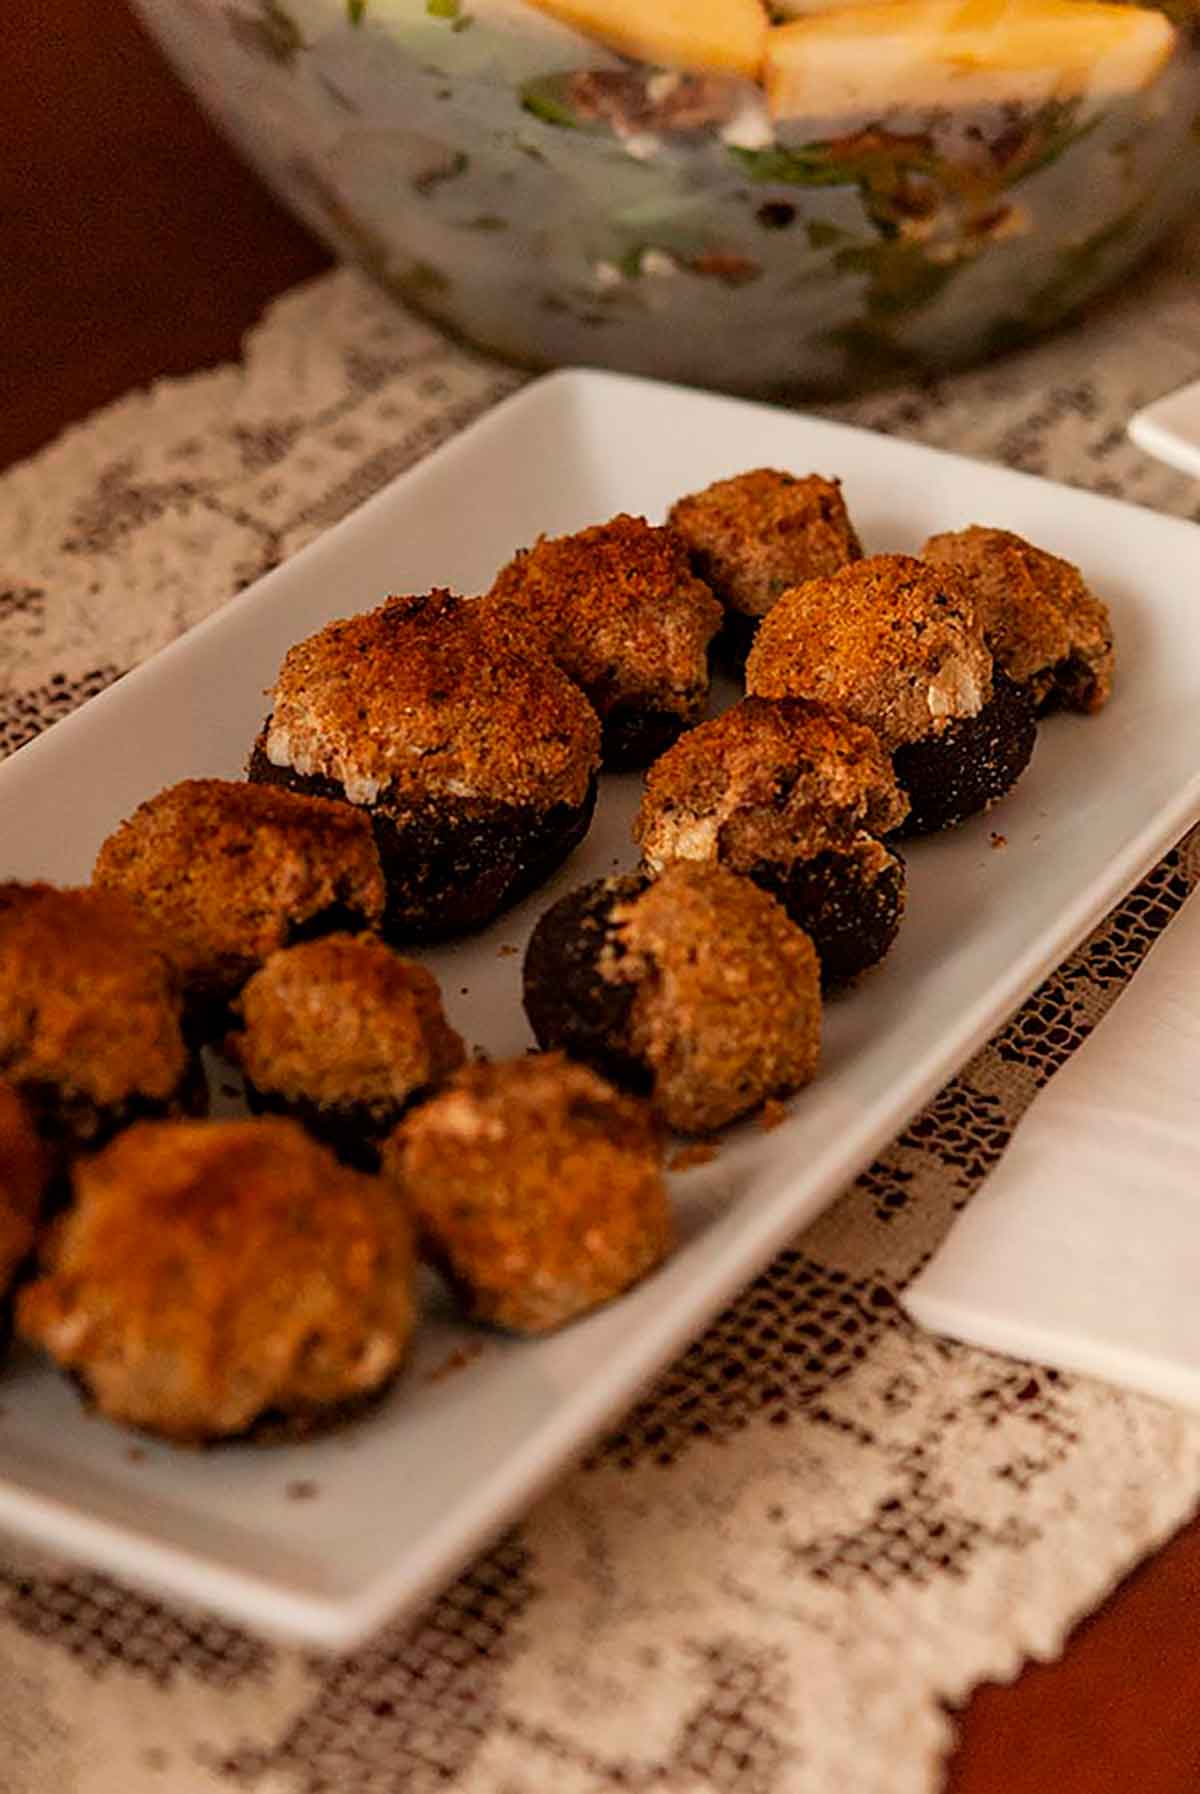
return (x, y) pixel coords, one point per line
(821, 1525)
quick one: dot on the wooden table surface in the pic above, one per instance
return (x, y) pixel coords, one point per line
(132, 244)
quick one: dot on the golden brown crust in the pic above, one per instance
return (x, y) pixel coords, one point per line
(727, 1010)
(89, 1000)
(24, 1172)
(1036, 611)
(779, 781)
(213, 1272)
(891, 640)
(229, 870)
(538, 1185)
(345, 1020)
(757, 534)
(423, 698)
(620, 610)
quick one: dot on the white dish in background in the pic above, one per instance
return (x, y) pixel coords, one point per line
(1170, 428)
(403, 1499)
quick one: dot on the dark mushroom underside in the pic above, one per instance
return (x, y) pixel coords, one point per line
(851, 919)
(971, 764)
(569, 1003)
(355, 1130)
(72, 1121)
(453, 864)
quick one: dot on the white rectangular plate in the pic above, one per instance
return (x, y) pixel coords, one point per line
(403, 1499)
(1169, 429)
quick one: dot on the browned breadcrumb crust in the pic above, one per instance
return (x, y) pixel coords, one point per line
(461, 1358)
(538, 1187)
(231, 870)
(24, 1172)
(620, 610)
(891, 640)
(1037, 612)
(755, 535)
(211, 1273)
(343, 1019)
(869, 857)
(777, 781)
(89, 1000)
(727, 1009)
(692, 1156)
(423, 697)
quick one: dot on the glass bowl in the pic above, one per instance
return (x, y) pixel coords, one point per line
(779, 199)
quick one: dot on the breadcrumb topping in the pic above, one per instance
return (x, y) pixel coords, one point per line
(229, 870)
(891, 640)
(422, 698)
(779, 781)
(620, 610)
(24, 1171)
(538, 1185)
(343, 1019)
(213, 1271)
(753, 536)
(1037, 613)
(89, 1000)
(727, 1010)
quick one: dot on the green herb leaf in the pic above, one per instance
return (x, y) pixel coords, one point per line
(442, 9)
(823, 235)
(808, 166)
(1082, 269)
(873, 352)
(545, 99)
(902, 276)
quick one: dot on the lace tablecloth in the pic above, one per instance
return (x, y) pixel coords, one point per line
(821, 1525)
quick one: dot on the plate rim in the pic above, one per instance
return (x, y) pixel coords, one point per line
(1151, 429)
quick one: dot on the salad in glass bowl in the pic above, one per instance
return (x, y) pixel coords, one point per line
(779, 197)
